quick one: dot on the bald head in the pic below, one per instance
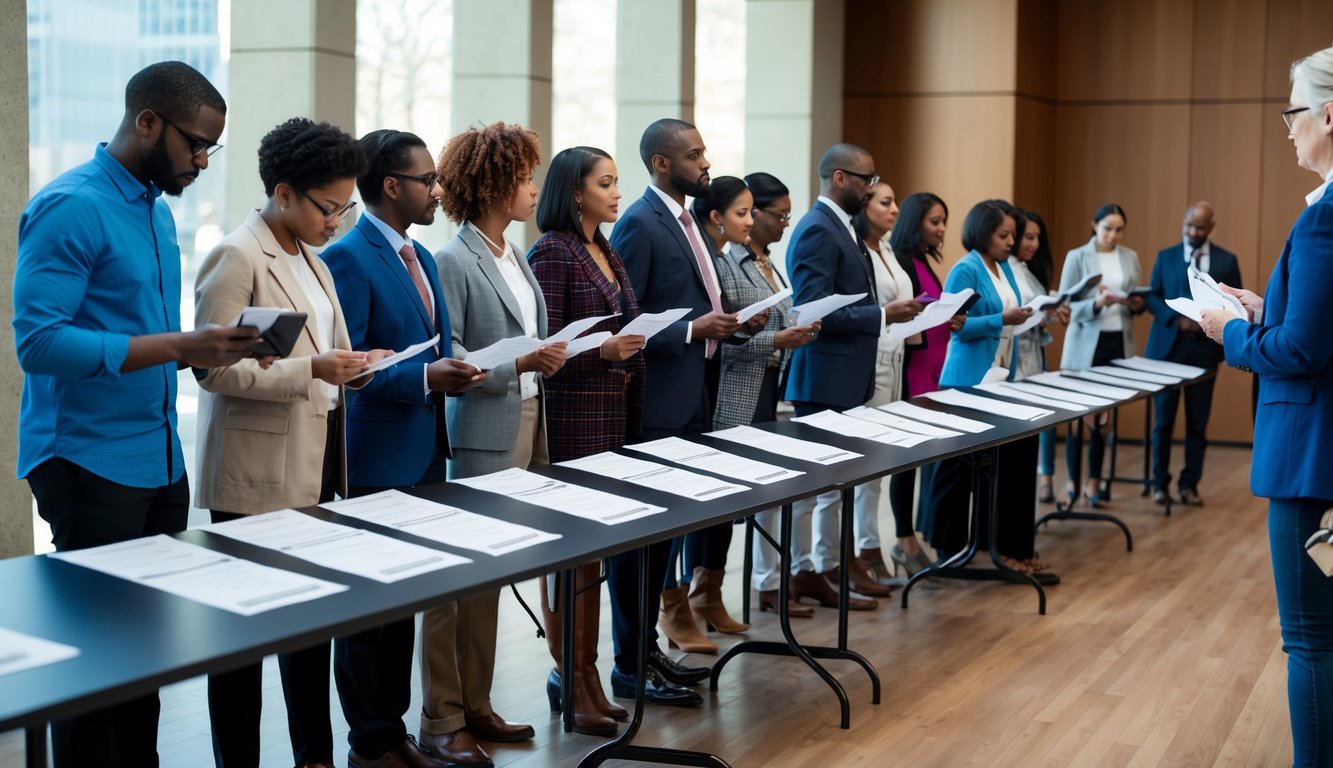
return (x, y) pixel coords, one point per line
(846, 173)
(1198, 224)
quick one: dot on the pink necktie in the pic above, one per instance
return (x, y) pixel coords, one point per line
(409, 255)
(701, 258)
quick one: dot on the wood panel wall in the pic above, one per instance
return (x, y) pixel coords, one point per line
(1062, 105)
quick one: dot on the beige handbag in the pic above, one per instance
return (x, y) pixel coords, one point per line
(1320, 545)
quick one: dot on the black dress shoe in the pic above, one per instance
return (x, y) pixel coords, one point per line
(1160, 497)
(656, 690)
(674, 671)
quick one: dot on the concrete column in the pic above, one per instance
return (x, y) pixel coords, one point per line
(793, 93)
(15, 498)
(502, 71)
(654, 78)
(295, 58)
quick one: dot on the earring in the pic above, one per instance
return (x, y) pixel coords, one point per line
(721, 230)
(578, 213)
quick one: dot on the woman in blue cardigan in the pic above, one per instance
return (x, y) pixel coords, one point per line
(985, 341)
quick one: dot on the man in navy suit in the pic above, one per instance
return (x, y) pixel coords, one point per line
(1179, 339)
(396, 437)
(836, 370)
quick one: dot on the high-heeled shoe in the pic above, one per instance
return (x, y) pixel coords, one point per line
(706, 602)
(586, 719)
(1045, 490)
(873, 560)
(1094, 496)
(913, 563)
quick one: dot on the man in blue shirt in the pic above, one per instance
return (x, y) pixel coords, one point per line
(97, 327)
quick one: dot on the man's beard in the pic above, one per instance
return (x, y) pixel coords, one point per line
(159, 169)
(691, 187)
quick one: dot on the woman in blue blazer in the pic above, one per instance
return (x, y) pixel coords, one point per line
(1287, 343)
(985, 341)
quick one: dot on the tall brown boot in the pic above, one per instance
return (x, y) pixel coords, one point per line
(587, 719)
(706, 601)
(677, 623)
(588, 614)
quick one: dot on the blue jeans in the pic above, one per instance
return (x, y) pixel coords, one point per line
(1046, 453)
(1305, 611)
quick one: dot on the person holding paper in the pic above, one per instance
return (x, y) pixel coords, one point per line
(985, 342)
(1033, 269)
(1288, 345)
(1100, 329)
(396, 431)
(245, 465)
(748, 390)
(97, 332)
(1179, 339)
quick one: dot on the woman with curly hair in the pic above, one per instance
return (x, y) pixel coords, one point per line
(270, 431)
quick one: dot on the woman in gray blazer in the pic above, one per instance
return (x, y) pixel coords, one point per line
(1101, 326)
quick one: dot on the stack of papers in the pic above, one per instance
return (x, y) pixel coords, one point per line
(1205, 294)
(659, 477)
(712, 460)
(782, 445)
(587, 503)
(938, 418)
(441, 522)
(842, 424)
(19, 652)
(987, 405)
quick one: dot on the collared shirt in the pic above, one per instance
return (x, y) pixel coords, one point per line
(1203, 255)
(98, 263)
(676, 210)
(396, 242)
(527, 304)
(1318, 193)
(323, 319)
(843, 216)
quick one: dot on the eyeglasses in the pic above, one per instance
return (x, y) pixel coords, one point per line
(198, 146)
(1290, 113)
(782, 217)
(340, 213)
(869, 178)
(428, 179)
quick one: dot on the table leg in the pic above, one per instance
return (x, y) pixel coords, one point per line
(1064, 510)
(35, 745)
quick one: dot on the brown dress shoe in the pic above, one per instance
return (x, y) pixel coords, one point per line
(858, 578)
(812, 585)
(492, 727)
(454, 750)
(407, 755)
(768, 601)
(1190, 498)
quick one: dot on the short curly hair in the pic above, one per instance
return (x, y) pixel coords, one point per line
(308, 155)
(482, 169)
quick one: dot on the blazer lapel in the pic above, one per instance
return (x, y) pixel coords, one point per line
(490, 267)
(283, 275)
(674, 227)
(595, 274)
(394, 264)
(853, 249)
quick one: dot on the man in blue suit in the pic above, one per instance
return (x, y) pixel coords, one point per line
(396, 437)
(1179, 339)
(836, 371)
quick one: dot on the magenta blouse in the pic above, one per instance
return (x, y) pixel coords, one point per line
(924, 364)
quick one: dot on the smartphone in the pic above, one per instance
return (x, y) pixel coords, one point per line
(925, 299)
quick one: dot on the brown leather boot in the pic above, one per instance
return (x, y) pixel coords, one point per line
(587, 718)
(812, 585)
(858, 578)
(588, 612)
(677, 623)
(873, 560)
(706, 602)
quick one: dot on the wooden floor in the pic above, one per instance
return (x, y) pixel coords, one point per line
(1166, 656)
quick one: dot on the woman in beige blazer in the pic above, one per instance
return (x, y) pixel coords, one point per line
(270, 431)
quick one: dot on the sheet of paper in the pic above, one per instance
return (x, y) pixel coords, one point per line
(842, 424)
(502, 351)
(804, 314)
(760, 306)
(1074, 291)
(649, 325)
(1002, 389)
(937, 418)
(894, 422)
(586, 343)
(576, 328)
(441, 522)
(712, 460)
(782, 445)
(1084, 384)
(19, 652)
(261, 318)
(987, 405)
(659, 477)
(1161, 366)
(399, 357)
(201, 575)
(1207, 295)
(1038, 307)
(1187, 307)
(1055, 393)
(1115, 381)
(936, 313)
(1134, 375)
(893, 419)
(587, 503)
(343, 548)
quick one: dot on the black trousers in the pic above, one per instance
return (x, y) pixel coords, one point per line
(1016, 496)
(1190, 350)
(87, 510)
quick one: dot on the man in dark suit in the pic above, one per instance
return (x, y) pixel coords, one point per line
(837, 369)
(1179, 339)
(396, 437)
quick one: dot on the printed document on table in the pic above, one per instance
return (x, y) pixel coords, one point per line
(399, 357)
(586, 343)
(659, 477)
(895, 422)
(712, 460)
(912, 425)
(577, 327)
(807, 313)
(841, 424)
(782, 445)
(649, 325)
(588, 503)
(441, 522)
(1115, 392)
(343, 548)
(19, 652)
(1115, 381)
(502, 351)
(759, 306)
(1002, 389)
(936, 313)
(987, 405)
(938, 418)
(1133, 374)
(201, 575)
(1161, 366)
(1055, 393)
